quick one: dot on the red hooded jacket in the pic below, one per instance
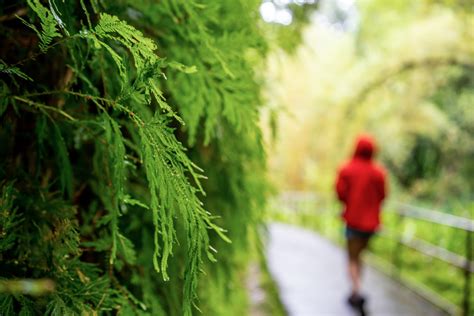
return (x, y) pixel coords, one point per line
(361, 187)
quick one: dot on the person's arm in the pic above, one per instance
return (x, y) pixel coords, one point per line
(382, 185)
(341, 187)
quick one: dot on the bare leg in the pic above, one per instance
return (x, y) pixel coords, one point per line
(355, 248)
(354, 273)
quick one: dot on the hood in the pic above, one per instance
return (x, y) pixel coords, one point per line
(365, 147)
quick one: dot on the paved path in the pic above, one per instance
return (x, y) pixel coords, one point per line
(311, 276)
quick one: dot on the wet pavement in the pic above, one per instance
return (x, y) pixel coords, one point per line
(310, 273)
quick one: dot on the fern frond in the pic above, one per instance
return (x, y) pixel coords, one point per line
(118, 61)
(13, 71)
(49, 24)
(141, 47)
(126, 249)
(166, 166)
(148, 65)
(109, 165)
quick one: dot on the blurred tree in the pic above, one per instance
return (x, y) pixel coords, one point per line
(401, 77)
(422, 162)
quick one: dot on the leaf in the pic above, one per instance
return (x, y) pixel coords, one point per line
(131, 201)
(13, 71)
(126, 249)
(49, 23)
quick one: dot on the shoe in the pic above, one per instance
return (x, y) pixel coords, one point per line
(356, 301)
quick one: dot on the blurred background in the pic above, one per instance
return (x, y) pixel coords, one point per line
(402, 71)
(399, 70)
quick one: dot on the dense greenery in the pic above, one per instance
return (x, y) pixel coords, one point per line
(131, 155)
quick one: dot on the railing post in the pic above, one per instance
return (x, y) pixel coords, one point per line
(467, 274)
(396, 260)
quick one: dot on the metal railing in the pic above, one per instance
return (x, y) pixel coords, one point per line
(305, 202)
(463, 263)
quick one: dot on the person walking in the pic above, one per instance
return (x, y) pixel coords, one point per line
(361, 188)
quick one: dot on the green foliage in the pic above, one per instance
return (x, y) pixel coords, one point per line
(49, 24)
(423, 162)
(107, 109)
(13, 71)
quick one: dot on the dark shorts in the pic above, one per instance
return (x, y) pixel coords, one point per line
(355, 233)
